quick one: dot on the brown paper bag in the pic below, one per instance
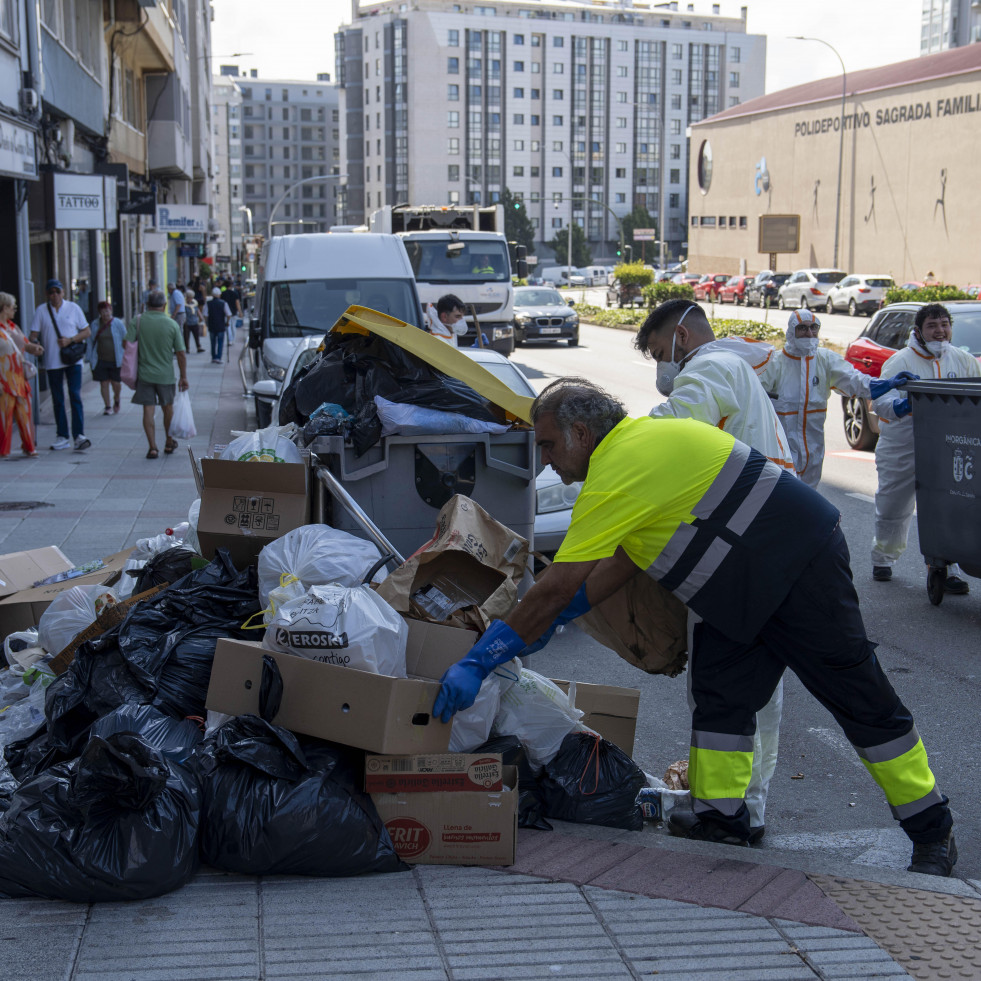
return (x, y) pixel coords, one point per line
(466, 575)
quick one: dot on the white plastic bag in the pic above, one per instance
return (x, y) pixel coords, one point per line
(146, 549)
(270, 445)
(350, 626)
(472, 726)
(316, 555)
(17, 642)
(403, 419)
(182, 423)
(539, 714)
(191, 535)
(25, 717)
(70, 612)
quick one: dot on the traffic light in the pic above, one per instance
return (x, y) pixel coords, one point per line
(517, 205)
(619, 252)
(245, 268)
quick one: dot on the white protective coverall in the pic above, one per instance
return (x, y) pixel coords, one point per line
(440, 330)
(801, 386)
(718, 385)
(896, 495)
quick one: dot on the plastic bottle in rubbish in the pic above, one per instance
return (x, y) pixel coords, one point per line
(657, 803)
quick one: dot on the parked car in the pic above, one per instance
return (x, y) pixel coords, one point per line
(542, 314)
(885, 334)
(267, 391)
(624, 294)
(858, 293)
(707, 288)
(808, 288)
(973, 290)
(762, 291)
(734, 290)
(689, 278)
(912, 285)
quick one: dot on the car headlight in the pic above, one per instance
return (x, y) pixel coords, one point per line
(274, 371)
(557, 497)
(524, 319)
(502, 332)
(572, 318)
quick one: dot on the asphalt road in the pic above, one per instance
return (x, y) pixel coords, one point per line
(821, 797)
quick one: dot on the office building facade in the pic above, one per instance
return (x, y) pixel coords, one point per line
(579, 109)
(949, 24)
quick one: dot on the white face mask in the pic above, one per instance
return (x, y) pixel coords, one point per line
(807, 346)
(668, 371)
(937, 348)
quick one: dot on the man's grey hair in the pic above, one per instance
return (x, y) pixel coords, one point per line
(573, 400)
(156, 300)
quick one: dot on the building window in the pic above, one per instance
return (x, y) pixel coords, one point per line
(673, 200)
(743, 223)
(518, 119)
(621, 122)
(558, 146)
(536, 146)
(536, 93)
(557, 222)
(518, 39)
(518, 171)
(519, 66)
(536, 68)
(675, 127)
(558, 94)
(621, 96)
(735, 55)
(558, 68)
(622, 46)
(733, 101)
(558, 42)
(677, 52)
(620, 172)
(556, 171)
(536, 171)
(558, 120)
(453, 172)
(453, 145)
(707, 221)
(675, 177)
(453, 119)
(621, 148)
(453, 39)
(734, 80)
(519, 144)
(453, 66)
(620, 198)
(675, 76)
(536, 40)
(675, 151)
(519, 93)
(453, 93)
(676, 101)
(621, 71)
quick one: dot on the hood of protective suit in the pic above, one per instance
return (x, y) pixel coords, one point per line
(756, 354)
(793, 344)
(913, 342)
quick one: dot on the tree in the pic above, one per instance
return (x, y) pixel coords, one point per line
(640, 217)
(517, 224)
(581, 255)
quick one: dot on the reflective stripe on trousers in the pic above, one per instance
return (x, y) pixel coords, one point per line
(901, 769)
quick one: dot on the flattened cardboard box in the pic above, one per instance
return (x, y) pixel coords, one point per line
(244, 506)
(456, 828)
(432, 772)
(23, 609)
(609, 710)
(357, 708)
(20, 570)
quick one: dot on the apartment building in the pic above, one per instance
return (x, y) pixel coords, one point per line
(949, 24)
(580, 109)
(228, 203)
(290, 133)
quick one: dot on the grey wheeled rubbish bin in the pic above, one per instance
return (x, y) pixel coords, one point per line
(947, 454)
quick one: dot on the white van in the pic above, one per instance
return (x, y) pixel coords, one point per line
(559, 275)
(307, 281)
(595, 275)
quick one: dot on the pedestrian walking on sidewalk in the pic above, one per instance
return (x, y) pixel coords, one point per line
(105, 354)
(192, 321)
(61, 328)
(15, 387)
(159, 338)
(218, 317)
(760, 557)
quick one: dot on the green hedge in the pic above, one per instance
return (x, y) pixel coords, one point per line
(634, 274)
(925, 294)
(723, 327)
(657, 293)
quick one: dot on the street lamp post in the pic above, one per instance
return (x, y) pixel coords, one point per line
(841, 133)
(292, 187)
(249, 252)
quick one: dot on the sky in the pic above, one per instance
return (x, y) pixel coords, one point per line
(298, 42)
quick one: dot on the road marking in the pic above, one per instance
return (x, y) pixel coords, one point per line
(853, 455)
(836, 741)
(861, 497)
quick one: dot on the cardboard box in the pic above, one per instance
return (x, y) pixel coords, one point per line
(610, 711)
(20, 570)
(244, 506)
(458, 828)
(434, 772)
(357, 708)
(23, 609)
(113, 614)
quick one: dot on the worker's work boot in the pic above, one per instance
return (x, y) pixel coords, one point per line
(955, 586)
(934, 858)
(684, 824)
(882, 573)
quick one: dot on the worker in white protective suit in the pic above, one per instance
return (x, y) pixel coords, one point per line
(715, 381)
(928, 353)
(446, 319)
(800, 378)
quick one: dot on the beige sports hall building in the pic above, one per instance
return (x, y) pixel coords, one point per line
(910, 175)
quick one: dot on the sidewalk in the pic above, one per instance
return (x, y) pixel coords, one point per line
(580, 902)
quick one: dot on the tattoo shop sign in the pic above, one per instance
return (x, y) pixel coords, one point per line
(901, 113)
(79, 201)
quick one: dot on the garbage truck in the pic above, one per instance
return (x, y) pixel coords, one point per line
(460, 250)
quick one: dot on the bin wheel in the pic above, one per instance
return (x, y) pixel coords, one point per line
(936, 578)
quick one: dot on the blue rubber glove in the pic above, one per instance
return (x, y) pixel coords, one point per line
(461, 682)
(879, 386)
(902, 407)
(576, 608)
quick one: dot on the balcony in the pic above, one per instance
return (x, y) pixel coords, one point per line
(168, 150)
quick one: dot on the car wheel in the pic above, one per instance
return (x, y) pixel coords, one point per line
(803, 303)
(263, 414)
(619, 303)
(574, 341)
(852, 309)
(519, 337)
(780, 304)
(858, 429)
(829, 307)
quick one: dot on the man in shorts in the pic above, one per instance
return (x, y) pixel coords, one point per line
(159, 339)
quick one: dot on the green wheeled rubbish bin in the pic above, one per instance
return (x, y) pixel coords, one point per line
(947, 455)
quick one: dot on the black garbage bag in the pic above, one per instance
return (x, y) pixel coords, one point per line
(274, 804)
(531, 802)
(161, 654)
(366, 429)
(176, 739)
(592, 781)
(168, 565)
(32, 755)
(119, 823)
(353, 369)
